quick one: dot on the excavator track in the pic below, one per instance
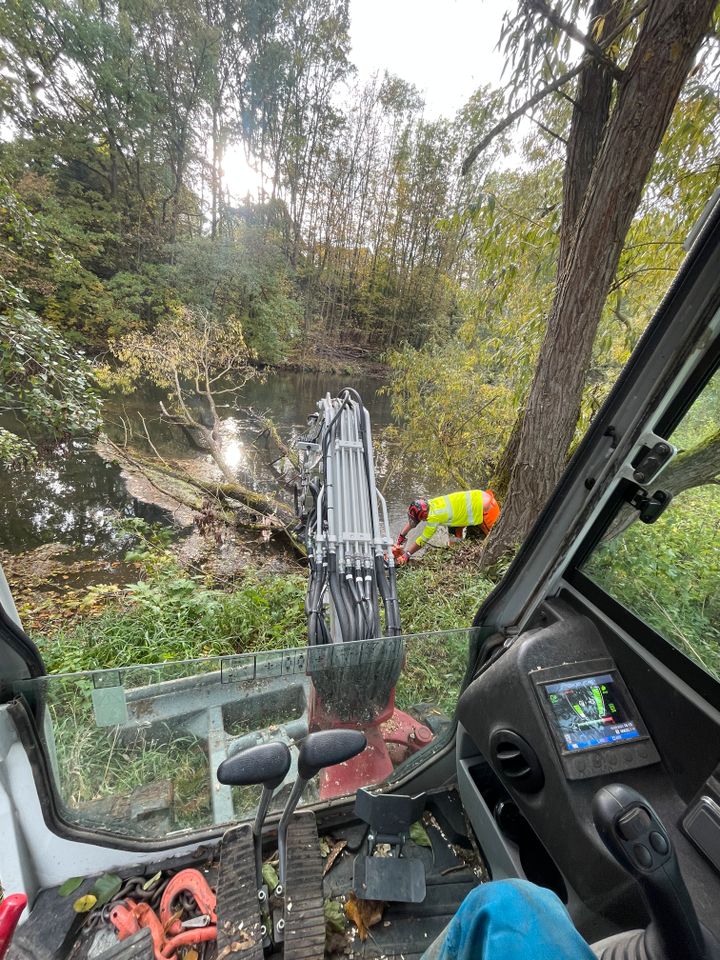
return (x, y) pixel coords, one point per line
(239, 923)
(304, 910)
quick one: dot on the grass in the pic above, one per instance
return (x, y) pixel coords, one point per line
(172, 616)
(668, 574)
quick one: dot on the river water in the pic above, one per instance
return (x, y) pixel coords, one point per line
(75, 498)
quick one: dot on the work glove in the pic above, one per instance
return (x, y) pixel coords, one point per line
(397, 550)
(401, 540)
(403, 559)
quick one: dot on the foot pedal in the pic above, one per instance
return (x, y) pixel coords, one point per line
(138, 946)
(239, 926)
(384, 878)
(394, 878)
(304, 910)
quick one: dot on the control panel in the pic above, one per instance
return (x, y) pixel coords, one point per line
(593, 721)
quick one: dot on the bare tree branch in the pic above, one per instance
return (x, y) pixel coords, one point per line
(517, 113)
(547, 130)
(545, 91)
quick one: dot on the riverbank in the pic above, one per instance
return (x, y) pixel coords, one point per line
(172, 613)
(337, 358)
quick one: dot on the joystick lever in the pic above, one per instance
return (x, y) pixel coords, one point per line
(638, 841)
(266, 764)
(318, 750)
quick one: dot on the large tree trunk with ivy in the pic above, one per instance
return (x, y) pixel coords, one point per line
(651, 83)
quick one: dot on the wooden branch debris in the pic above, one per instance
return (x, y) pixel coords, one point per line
(240, 506)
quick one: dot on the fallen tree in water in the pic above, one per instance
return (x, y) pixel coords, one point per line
(203, 362)
(209, 501)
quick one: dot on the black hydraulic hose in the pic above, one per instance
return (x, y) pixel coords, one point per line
(388, 592)
(311, 602)
(360, 603)
(383, 588)
(338, 597)
(394, 602)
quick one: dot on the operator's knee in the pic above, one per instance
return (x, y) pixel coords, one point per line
(510, 920)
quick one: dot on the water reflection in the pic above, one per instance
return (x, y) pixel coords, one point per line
(74, 501)
(74, 498)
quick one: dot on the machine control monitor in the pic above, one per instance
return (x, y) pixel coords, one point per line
(590, 712)
(596, 727)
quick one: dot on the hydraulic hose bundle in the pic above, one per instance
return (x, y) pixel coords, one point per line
(351, 566)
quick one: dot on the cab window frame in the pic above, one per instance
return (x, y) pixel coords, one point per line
(686, 669)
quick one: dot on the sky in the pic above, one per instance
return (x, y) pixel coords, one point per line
(445, 47)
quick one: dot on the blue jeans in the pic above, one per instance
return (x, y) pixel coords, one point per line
(510, 920)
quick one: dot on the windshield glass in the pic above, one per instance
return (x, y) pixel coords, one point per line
(134, 751)
(668, 573)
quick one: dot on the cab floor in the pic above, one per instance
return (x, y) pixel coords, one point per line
(452, 869)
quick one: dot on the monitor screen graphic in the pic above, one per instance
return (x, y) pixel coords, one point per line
(590, 712)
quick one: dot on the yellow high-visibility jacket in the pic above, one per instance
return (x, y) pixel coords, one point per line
(461, 509)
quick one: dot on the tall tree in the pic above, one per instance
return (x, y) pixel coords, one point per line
(660, 45)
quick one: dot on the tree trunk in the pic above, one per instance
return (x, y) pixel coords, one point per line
(589, 117)
(591, 108)
(215, 178)
(651, 85)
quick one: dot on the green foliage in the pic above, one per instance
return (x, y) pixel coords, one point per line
(456, 399)
(512, 229)
(41, 378)
(171, 616)
(435, 595)
(453, 417)
(15, 451)
(668, 574)
(247, 278)
(46, 384)
(191, 346)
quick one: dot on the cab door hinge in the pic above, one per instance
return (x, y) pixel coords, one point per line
(649, 506)
(654, 454)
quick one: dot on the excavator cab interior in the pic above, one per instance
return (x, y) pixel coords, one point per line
(239, 806)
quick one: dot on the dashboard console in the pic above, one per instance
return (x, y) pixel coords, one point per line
(555, 720)
(592, 719)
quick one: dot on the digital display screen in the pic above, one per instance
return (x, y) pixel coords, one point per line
(590, 712)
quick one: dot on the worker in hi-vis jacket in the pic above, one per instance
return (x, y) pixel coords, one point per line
(466, 508)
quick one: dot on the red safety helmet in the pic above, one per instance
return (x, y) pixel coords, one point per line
(418, 510)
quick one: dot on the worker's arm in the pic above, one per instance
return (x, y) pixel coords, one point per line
(427, 534)
(420, 542)
(402, 536)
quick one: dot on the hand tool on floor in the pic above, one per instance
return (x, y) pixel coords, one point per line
(318, 750)
(266, 764)
(168, 932)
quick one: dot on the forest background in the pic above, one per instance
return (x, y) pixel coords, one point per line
(119, 236)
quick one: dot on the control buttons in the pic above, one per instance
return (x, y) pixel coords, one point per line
(633, 824)
(642, 855)
(658, 842)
